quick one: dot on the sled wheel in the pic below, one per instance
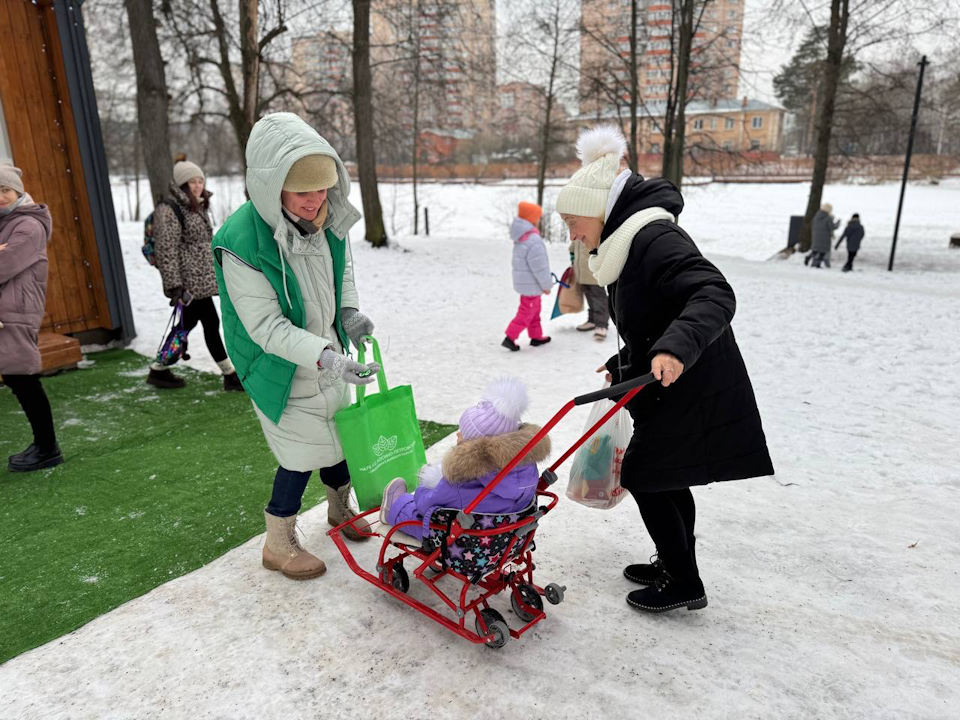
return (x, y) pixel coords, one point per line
(530, 597)
(554, 593)
(496, 626)
(401, 581)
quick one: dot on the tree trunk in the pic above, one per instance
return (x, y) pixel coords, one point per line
(545, 139)
(416, 147)
(235, 108)
(633, 156)
(250, 68)
(836, 42)
(674, 144)
(416, 118)
(376, 233)
(152, 101)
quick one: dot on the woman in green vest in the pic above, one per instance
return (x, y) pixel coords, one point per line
(290, 310)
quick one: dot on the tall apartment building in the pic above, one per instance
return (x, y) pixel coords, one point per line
(321, 71)
(455, 41)
(605, 52)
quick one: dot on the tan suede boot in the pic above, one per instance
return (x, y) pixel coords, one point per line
(283, 550)
(339, 511)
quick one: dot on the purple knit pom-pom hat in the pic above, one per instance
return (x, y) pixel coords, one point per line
(498, 413)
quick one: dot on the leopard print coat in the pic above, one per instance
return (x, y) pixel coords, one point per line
(185, 259)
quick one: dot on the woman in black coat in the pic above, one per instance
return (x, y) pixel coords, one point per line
(673, 309)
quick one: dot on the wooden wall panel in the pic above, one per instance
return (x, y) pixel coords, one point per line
(39, 123)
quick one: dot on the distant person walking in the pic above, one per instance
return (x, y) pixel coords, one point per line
(24, 233)
(853, 233)
(531, 276)
(598, 305)
(182, 234)
(823, 227)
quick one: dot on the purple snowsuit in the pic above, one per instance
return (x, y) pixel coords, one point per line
(467, 469)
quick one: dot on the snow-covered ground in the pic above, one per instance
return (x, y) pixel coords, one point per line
(833, 587)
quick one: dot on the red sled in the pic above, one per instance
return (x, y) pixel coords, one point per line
(482, 554)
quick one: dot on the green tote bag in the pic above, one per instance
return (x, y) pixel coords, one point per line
(381, 437)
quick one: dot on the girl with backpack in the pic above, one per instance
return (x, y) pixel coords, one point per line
(182, 233)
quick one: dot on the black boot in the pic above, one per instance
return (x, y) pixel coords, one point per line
(33, 458)
(165, 379)
(231, 383)
(644, 573)
(669, 593)
(539, 341)
(510, 345)
(647, 573)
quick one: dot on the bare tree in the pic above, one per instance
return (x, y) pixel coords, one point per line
(541, 53)
(609, 75)
(685, 20)
(214, 36)
(836, 42)
(152, 101)
(376, 232)
(856, 28)
(694, 67)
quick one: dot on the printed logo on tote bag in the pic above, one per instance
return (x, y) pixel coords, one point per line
(384, 445)
(389, 454)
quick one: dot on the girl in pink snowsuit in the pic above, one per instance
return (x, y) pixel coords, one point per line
(490, 436)
(531, 276)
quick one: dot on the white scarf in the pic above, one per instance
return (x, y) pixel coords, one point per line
(611, 256)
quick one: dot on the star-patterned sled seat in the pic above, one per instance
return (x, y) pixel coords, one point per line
(473, 556)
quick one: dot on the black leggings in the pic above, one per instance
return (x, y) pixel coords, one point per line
(29, 392)
(205, 312)
(670, 516)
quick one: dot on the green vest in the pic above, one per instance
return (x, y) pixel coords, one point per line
(267, 378)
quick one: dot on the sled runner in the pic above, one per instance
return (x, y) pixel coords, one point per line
(476, 555)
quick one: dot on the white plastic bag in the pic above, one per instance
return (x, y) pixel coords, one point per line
(595, 474)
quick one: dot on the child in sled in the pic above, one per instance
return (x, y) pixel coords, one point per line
(490, 436)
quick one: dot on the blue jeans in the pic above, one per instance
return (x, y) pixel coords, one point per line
(288, 487)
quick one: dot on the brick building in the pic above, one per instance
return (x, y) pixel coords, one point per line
(727, 125)
(605, 52)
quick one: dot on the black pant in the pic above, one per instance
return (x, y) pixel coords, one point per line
(598, 307)
(850, 256)
(205, 312)
(29, 392)
(819, 258)
(288, 487)
(669, 517)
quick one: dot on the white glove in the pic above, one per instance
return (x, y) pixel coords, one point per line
(347, 369)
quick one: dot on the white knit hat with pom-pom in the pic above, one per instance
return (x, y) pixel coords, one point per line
(600, 150)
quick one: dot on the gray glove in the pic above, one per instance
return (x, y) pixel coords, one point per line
(356, 325)
(347, 369)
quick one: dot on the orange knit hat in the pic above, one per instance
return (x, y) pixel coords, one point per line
(530, 212)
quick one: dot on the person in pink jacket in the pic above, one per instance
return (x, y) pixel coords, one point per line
(490, 436)
(24, 233)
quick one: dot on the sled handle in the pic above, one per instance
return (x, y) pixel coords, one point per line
(381, 375)
(612, 392)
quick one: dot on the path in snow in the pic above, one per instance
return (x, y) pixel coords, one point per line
(833, 587)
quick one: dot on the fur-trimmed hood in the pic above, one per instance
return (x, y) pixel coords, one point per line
(474, 459)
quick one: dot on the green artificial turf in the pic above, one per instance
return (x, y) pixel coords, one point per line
(155, 484)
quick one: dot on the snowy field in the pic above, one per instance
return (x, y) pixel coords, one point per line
(834, 589)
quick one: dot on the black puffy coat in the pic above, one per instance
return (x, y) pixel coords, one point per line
(706, 426)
